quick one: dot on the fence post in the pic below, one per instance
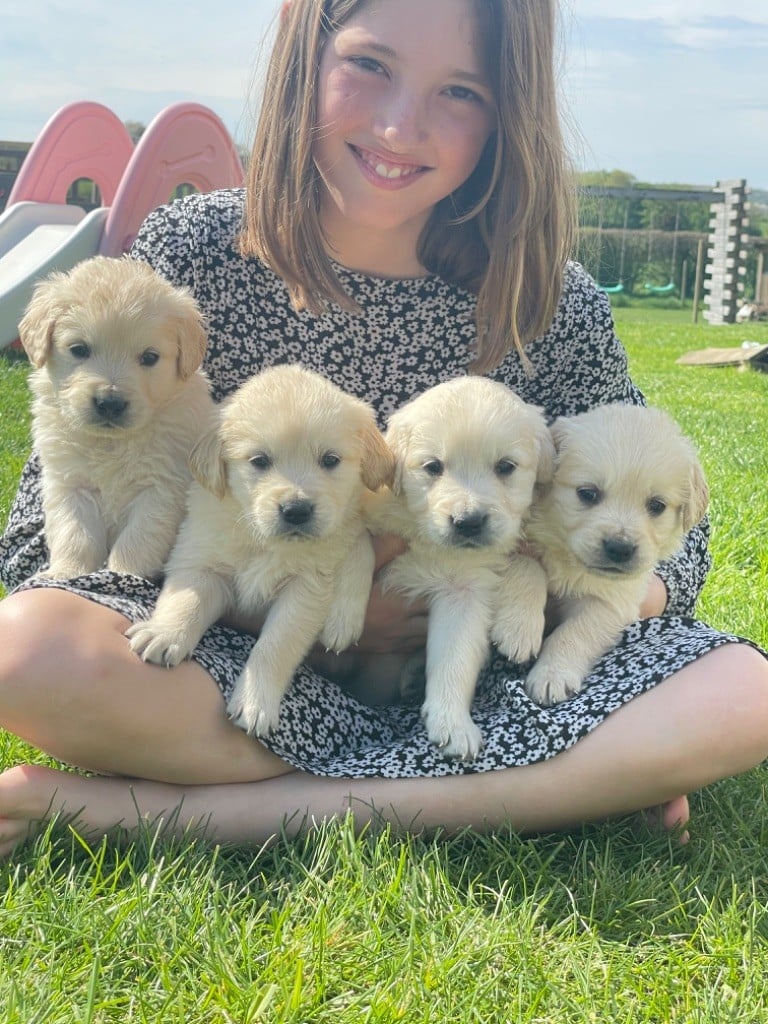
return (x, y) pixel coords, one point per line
(726, 256)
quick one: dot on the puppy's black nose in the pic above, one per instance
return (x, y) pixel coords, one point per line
(470, 525)
(619, 551)
(297, 513)
(110, 407)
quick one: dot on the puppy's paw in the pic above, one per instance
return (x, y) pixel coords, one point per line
(519, 633)
(158, 646)
(452, 731)
(252, 707)
(548, 683)
(148, 569)
(64, 571)
(342, 628)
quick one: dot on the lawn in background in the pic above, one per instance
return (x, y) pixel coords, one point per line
(608, 923)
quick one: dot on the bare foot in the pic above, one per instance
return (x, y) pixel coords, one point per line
(671, 816)
(33, 795)
(27, 800)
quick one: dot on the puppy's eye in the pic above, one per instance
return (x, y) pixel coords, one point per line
(330, 460)
(589, 495)
(79, 350)
(656, 507)
(260, 461)
(149, 357)
(433, 467)
(505, 467)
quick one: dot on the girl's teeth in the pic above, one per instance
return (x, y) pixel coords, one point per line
(382, 171)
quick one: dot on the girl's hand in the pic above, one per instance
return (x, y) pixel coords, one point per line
(656, 598)
(391, 624)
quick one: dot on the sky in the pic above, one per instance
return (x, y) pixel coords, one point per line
(666, 90)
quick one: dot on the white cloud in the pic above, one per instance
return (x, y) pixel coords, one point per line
(670, 11)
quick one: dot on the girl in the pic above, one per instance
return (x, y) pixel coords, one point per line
(406, 220)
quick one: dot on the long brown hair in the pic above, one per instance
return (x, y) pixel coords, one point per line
(505, 234)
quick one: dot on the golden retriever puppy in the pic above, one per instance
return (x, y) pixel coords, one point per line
(468, 454)
(627, 487)
(274, 521)
(118, 402)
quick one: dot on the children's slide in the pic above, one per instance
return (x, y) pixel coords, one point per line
(35, 239)
(40, 233)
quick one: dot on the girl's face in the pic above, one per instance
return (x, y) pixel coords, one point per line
(404, 111)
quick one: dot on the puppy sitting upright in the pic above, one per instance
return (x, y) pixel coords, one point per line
(627, 487)
(468, 454)
(118, 403)
(274, 520)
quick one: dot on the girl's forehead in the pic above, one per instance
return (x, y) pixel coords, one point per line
(428, 28)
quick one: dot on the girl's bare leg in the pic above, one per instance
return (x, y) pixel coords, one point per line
(70, 685)
(707, 722)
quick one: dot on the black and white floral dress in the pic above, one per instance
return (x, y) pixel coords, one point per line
(411, 335)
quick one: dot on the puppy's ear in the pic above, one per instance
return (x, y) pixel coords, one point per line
(545, 448)
(559, 432)
(191, 337)
(208, 465)
(398, 437)
(696, 506)
(37, 324)
(377, 466)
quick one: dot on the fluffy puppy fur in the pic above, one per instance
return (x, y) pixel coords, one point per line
(627, 487)
(468, 454)
(118, 401)
(274, 520)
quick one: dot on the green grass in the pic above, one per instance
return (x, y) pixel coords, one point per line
(603, 924)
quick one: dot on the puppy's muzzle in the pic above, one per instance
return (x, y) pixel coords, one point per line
(110, 408)
(469, 529)
(297, 517)
(618, 555)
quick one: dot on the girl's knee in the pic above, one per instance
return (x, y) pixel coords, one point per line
(45, 637)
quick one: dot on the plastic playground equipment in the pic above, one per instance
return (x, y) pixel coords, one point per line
(186, 144)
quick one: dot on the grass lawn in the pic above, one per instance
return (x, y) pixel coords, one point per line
(603, 924)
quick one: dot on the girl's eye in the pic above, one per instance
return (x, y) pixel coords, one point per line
(149, 358)
(79, 350)
(505, 467)
(588, 495)
(461, 92)
(260, 461)
(433, 467)
(330, 460)
(367, 64)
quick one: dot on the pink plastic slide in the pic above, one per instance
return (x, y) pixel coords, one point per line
(185, 144)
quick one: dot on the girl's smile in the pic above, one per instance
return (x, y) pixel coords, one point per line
(384, 170)
(404, 112)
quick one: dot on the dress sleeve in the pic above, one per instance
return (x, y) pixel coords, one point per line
(582, 364)
(23, 550)
(166, 242)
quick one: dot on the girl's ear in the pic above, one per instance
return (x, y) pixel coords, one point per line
(285, 10)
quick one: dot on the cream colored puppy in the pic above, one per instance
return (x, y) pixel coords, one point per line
(468, 454)
(118, 403)
(274, 520)
(627, 487)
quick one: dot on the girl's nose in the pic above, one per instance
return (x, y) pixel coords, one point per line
(403, 121)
